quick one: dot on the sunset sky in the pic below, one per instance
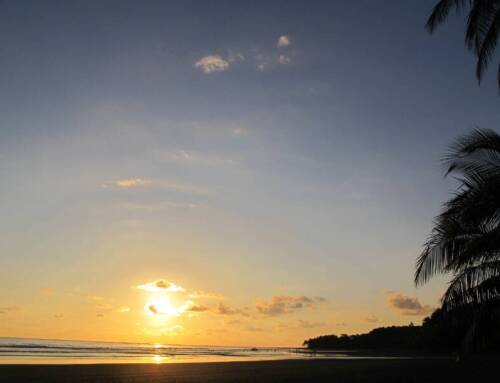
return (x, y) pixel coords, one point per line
(231, 173)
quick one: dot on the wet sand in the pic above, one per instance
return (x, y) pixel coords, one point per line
(366, 370)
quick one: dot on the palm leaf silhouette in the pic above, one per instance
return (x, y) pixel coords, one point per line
(482, 28)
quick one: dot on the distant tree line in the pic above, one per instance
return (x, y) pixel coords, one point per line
(439, 332)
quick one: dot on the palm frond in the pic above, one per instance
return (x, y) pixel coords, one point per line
(464, 290)
(482, 28)
(467, 232)
(486, 48)
(441, 11)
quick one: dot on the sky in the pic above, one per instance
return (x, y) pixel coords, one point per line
(230, 173)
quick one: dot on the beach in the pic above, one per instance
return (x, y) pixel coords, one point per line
(361, 370)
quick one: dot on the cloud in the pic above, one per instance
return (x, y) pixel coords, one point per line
(153, 309)
(197, 308)
(407, 305)
(164, 307)
(99, 315)
(194, 158)
(371, 319)
(104, 306)
(132, 182)
(223, 309)
(212, 63)
(58, 316)
(282, 59)
(123, 309)
(320, 299)
(284, 304)
(205, 295)
(160, 285)
(235, 56)
(284, 41)
(307, 324)
(9, 309)
(239, 131)
(101, 303)
(265, 61)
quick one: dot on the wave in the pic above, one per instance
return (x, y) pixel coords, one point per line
(17, 347)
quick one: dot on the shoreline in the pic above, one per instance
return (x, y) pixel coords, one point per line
(287, 370)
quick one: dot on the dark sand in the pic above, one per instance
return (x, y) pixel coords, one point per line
(416, 370)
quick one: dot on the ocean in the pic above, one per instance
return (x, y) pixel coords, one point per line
(42, 351)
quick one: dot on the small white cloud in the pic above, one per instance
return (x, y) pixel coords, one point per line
(284, 41)
(282, 59)
(212, 63)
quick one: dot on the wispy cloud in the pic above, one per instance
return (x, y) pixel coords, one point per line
(159, 206)
(283, 60)
(9, 309)
(212, 63)
(371, 319)
(307, 324)
(239, 131)
(284, 304)
(187, 157)
(132, 182)
(205, 295)
(284, 41)
(167, 309)
(197, 308)
(235, 56)
(160, 285)
(223, 309)
(407, 305)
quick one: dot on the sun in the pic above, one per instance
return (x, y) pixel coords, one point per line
(161, 305)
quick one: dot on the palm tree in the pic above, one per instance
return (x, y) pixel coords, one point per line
(483, 28)
(465, 240)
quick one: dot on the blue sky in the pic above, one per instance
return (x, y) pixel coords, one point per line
(179, 140)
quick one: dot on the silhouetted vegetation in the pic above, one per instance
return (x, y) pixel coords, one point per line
(440, 332)
(482, 30)
(465, 240)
